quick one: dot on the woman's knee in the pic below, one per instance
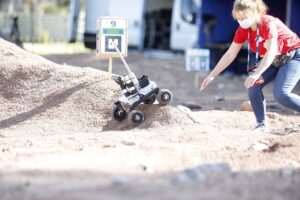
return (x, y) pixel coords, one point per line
(253, 91)
(280, 95)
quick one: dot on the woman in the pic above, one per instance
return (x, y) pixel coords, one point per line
(279, 50)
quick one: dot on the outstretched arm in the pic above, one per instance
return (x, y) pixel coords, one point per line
(224, 62)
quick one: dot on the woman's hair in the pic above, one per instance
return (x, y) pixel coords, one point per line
(246, 6)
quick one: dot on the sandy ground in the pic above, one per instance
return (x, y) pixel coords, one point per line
(58, 140)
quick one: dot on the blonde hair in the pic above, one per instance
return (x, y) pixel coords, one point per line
(257, 6)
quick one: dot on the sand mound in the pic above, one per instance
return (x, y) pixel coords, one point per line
(61, 97)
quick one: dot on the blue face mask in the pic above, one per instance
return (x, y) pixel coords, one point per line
(246, 23)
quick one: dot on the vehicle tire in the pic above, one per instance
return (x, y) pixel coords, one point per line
(135, 117)
(164, 97)
(119, 113)
(150, 100)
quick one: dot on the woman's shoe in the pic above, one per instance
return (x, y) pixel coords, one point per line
(261, 128)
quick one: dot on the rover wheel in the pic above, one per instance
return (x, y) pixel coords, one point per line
(135, 117)
(119, 113)
(150, 100)
(164, 97)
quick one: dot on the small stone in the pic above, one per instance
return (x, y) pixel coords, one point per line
(192, 106)
(80, 148)
(29, 143)
(246, 106)
(201, 172)
(220, 97)
(218, 108)
(294, 163)
(286, 173)
(215, 167)
(188, 175)
(143, 167)
(191, 174)
(258, 146)
(107, 146)
(5, 150)
(180, 178)
(120, 180)
(128, 143)
(272, 148)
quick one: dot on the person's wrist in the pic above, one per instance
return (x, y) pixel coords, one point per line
(255, 75)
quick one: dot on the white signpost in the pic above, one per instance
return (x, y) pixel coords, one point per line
(197, 60)
(111, 32)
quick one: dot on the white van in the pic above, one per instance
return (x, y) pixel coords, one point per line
(153, 24)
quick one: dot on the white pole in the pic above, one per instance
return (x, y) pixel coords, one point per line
(122, 58)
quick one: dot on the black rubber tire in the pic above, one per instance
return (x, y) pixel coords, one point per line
(119, 113)
(150, 100)
(135, 117)
(164, 97)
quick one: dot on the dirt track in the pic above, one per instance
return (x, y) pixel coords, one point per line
(58, 141)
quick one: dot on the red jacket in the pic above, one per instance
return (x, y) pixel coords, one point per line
(287, 39)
